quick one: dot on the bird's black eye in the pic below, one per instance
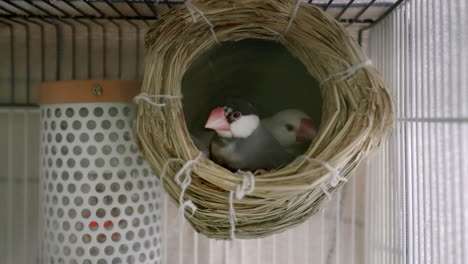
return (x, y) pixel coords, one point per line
(236, 115)
(289, 127)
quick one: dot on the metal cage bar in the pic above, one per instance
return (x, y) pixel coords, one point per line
(150, 5)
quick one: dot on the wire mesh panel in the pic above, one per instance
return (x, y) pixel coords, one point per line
(417, 209)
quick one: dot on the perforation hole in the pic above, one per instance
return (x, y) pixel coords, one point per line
(91, 124)
(98, 112)
(100, 212)
(99, 137)
(106, 150)
(63, 150)
(113, 111)
(101, 238)
(91, 150)
(123, 224)
(76, 125)
(77, 150)
(69, 112)
(116, 237)
(63, 125)
(83, 112)
(113, 137)
(106, 124)
(58, 113)
(109, 250)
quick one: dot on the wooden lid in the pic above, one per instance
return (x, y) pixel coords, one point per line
(88, 91)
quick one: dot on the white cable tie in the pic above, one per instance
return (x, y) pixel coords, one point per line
(347, 72)
(192, 9)
(335, 176)
(292, 17)
(325, 191)
(148, 98)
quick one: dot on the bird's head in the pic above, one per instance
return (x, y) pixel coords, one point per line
(236, 119)
(292, 127)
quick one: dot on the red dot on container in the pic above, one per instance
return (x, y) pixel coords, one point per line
(108, 224)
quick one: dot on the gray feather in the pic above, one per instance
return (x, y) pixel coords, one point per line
(202, 140)
(258, 151)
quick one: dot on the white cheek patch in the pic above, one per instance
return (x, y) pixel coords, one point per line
(224, 134)
(244, 126)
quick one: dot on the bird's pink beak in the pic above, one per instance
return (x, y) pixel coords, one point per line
(217, 120)
(306, 131)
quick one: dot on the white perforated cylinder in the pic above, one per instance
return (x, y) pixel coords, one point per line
(100, 202)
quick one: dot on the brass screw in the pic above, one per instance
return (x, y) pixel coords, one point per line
(97, 90)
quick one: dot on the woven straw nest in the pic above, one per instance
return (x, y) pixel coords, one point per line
(357, 112)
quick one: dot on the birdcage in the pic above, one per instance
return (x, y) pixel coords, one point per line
(403, 204)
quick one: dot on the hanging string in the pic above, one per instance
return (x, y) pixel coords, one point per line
(345, 74)
(232, 216)
(292, 17)
(192, 9)
(187, 170)
(245, 188)
(149, 98)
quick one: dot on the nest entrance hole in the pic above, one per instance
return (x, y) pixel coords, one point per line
(262, 72)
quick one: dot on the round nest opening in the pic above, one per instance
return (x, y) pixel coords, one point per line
(355, 116)
(259, 71)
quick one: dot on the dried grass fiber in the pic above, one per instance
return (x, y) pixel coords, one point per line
(357, 112)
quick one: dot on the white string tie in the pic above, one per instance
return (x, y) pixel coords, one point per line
(192, 9)
(187, 169)
(325, 191)
(292, 17)
(335, 176)
(149, 98)
(348, 72)
(166, 165)
(247, 186)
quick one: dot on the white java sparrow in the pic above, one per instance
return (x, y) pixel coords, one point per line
(292, 128)
(241, 142)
